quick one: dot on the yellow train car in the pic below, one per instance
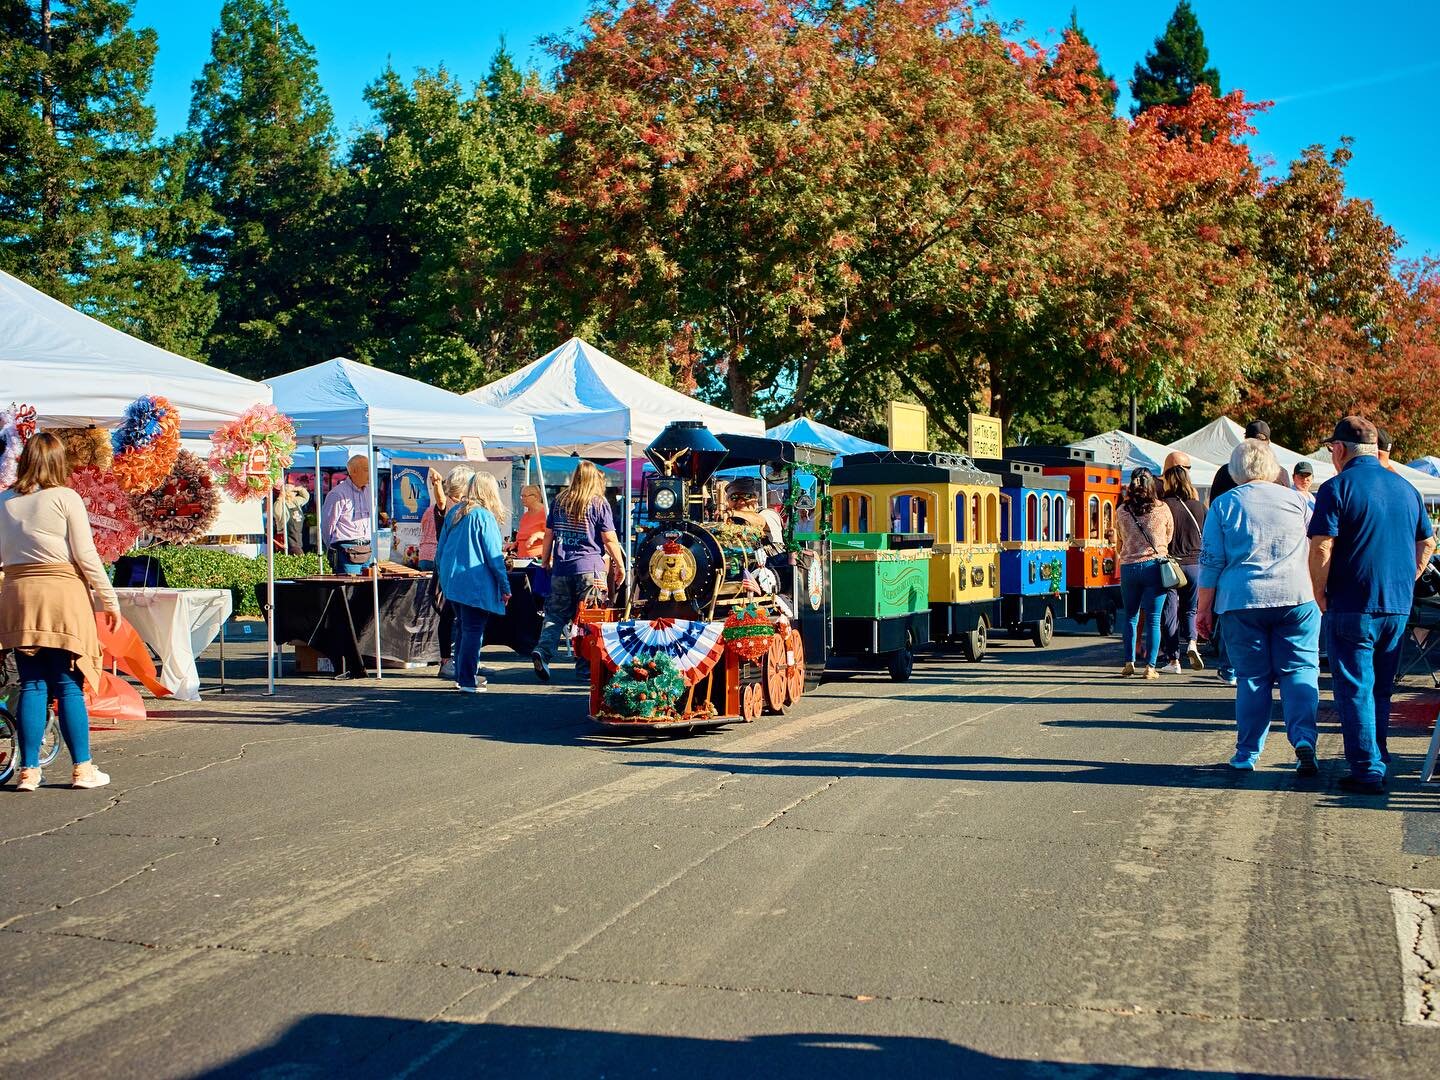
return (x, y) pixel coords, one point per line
(944, 496)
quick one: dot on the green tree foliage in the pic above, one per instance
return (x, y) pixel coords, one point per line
(91, 207)
(263, 148)
(448, 195)
(1177, 64)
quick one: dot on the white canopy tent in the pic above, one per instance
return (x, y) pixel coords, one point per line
(1218, 439)
(341, 401)
(585, 402)
(78, 372)
(1133, 452)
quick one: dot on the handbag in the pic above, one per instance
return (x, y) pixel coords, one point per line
(1172, 574)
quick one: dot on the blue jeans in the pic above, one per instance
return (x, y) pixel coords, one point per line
(567, 592)
(469, 640)
(1271, 646)
(50, 674)
(1141, 592)
(1364, 654)
(1180, 609)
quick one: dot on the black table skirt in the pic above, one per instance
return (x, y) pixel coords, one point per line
(336, 617)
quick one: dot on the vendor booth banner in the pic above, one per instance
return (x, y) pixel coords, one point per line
(412, 497)
(695, 646)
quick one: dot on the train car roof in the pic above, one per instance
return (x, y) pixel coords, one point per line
(1051, 455)
(1018, 473)
(911, 467)
(762, 450)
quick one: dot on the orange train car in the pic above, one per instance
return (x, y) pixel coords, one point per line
(1092, 569)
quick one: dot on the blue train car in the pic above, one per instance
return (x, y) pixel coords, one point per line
(1034, 538)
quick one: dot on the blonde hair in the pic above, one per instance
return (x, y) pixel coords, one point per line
(484, 492)
(586, 486)
(532, 489)
(1178, 484)
(43, 464)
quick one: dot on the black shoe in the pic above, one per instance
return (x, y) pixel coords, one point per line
(542, 668)
(1305, 761)
(1355, 786)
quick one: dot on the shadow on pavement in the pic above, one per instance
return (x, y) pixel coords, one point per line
(366, 1046)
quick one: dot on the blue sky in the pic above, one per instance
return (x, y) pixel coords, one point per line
(1333, 69)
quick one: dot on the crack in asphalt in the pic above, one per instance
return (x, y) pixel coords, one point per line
(147, 868)
(494, 975)
(119, 796)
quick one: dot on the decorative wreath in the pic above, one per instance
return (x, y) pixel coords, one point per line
(86, 446)
(645, 687)
(17, 424)
(183, 507)
(146, 444)
(252, 452)
(108, 508)
(748, 631)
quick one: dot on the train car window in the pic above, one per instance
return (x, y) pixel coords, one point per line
(1032, 517)
(992, 518)
(909, 513)
(961, 536)
(1044, 518)
(1060, 533)
(1094, 533)
(1109, 519)
(1007, 524)
(976, 526)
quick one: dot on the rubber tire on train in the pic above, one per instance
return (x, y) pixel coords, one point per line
(1043, 630)
(974, 643)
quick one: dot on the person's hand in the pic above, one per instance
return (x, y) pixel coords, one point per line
(1205, 621)
(505, 599)
(1322, 603)
(112, 621)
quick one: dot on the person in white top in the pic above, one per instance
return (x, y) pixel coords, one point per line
(50, 567)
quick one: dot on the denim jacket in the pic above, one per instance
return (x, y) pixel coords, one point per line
(1255, 553)
(471, 562)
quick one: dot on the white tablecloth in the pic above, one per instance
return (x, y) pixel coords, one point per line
(179, 624)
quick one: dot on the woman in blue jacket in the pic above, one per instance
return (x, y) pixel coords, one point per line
(472, 573)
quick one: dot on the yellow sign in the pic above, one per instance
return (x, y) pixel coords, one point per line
(987, 437)
(907, 425)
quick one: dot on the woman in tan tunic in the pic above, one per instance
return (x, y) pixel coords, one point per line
(50, 566)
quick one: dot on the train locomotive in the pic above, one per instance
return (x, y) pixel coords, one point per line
(728, 612)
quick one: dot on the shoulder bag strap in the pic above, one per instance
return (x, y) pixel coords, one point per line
(1141, 526)
(1185, 505)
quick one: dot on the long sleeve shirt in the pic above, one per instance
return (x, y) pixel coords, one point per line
(470, 560)
(347, 513)
(50, 526)
(1255, 552)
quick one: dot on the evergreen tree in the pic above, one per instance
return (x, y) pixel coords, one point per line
(448, 188)
(1175, 66)
(91, 208)
(1103, 77)
(263, 153)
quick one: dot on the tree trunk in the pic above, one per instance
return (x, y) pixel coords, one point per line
(742, 393)
(50, 199)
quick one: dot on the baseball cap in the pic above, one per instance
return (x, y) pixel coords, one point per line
(1304, 468)
(1382, 439)
(1257, 429)
(1354, 429)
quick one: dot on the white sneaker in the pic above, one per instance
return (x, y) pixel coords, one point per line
(479, 688)
(1196, 663)
(88, 778)
(1172, 668)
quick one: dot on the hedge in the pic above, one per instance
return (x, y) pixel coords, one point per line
(203, 568)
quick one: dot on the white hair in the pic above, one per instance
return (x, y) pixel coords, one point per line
(457, 484)
(1360, 449)
(1253, 460)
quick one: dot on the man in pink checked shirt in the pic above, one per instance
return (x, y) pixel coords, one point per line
(347, 519)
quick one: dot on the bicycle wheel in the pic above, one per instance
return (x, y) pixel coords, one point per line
(50, 742)
(9, 745)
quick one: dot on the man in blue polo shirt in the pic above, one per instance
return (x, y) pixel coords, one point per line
(1369, 540)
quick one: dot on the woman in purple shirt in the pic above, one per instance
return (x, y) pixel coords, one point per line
(579, 533)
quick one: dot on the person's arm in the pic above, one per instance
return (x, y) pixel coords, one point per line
(1322, 549)
(1424, 537)
(82, 550)
(1119, 534)
(494, 555)
(1212, 562)
(547, 546)
(1423, 550)
(336, 510)
(617, 558)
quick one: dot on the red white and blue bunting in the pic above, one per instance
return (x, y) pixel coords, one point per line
(695, 647)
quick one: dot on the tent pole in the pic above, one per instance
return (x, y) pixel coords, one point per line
(540, 469)
(374, 545)
(627, 514)
(270, 594)
(319, 506)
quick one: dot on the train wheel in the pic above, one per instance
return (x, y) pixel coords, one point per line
(974, 644)
(776, 675)
(1041, 632)
(752, 703)
(795, 681)
(1104, 622)
(901, 664)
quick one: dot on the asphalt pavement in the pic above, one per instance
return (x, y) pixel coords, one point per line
(1023, 867)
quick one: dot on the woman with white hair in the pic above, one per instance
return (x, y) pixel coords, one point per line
(1254, 570)
(471, 563)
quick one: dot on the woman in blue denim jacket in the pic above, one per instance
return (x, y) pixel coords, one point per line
(1254, 570)
(472, 574)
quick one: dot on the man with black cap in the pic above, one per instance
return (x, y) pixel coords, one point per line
(1370, 539)
(1223, 482)
(1304, 480)
(1384, 442)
